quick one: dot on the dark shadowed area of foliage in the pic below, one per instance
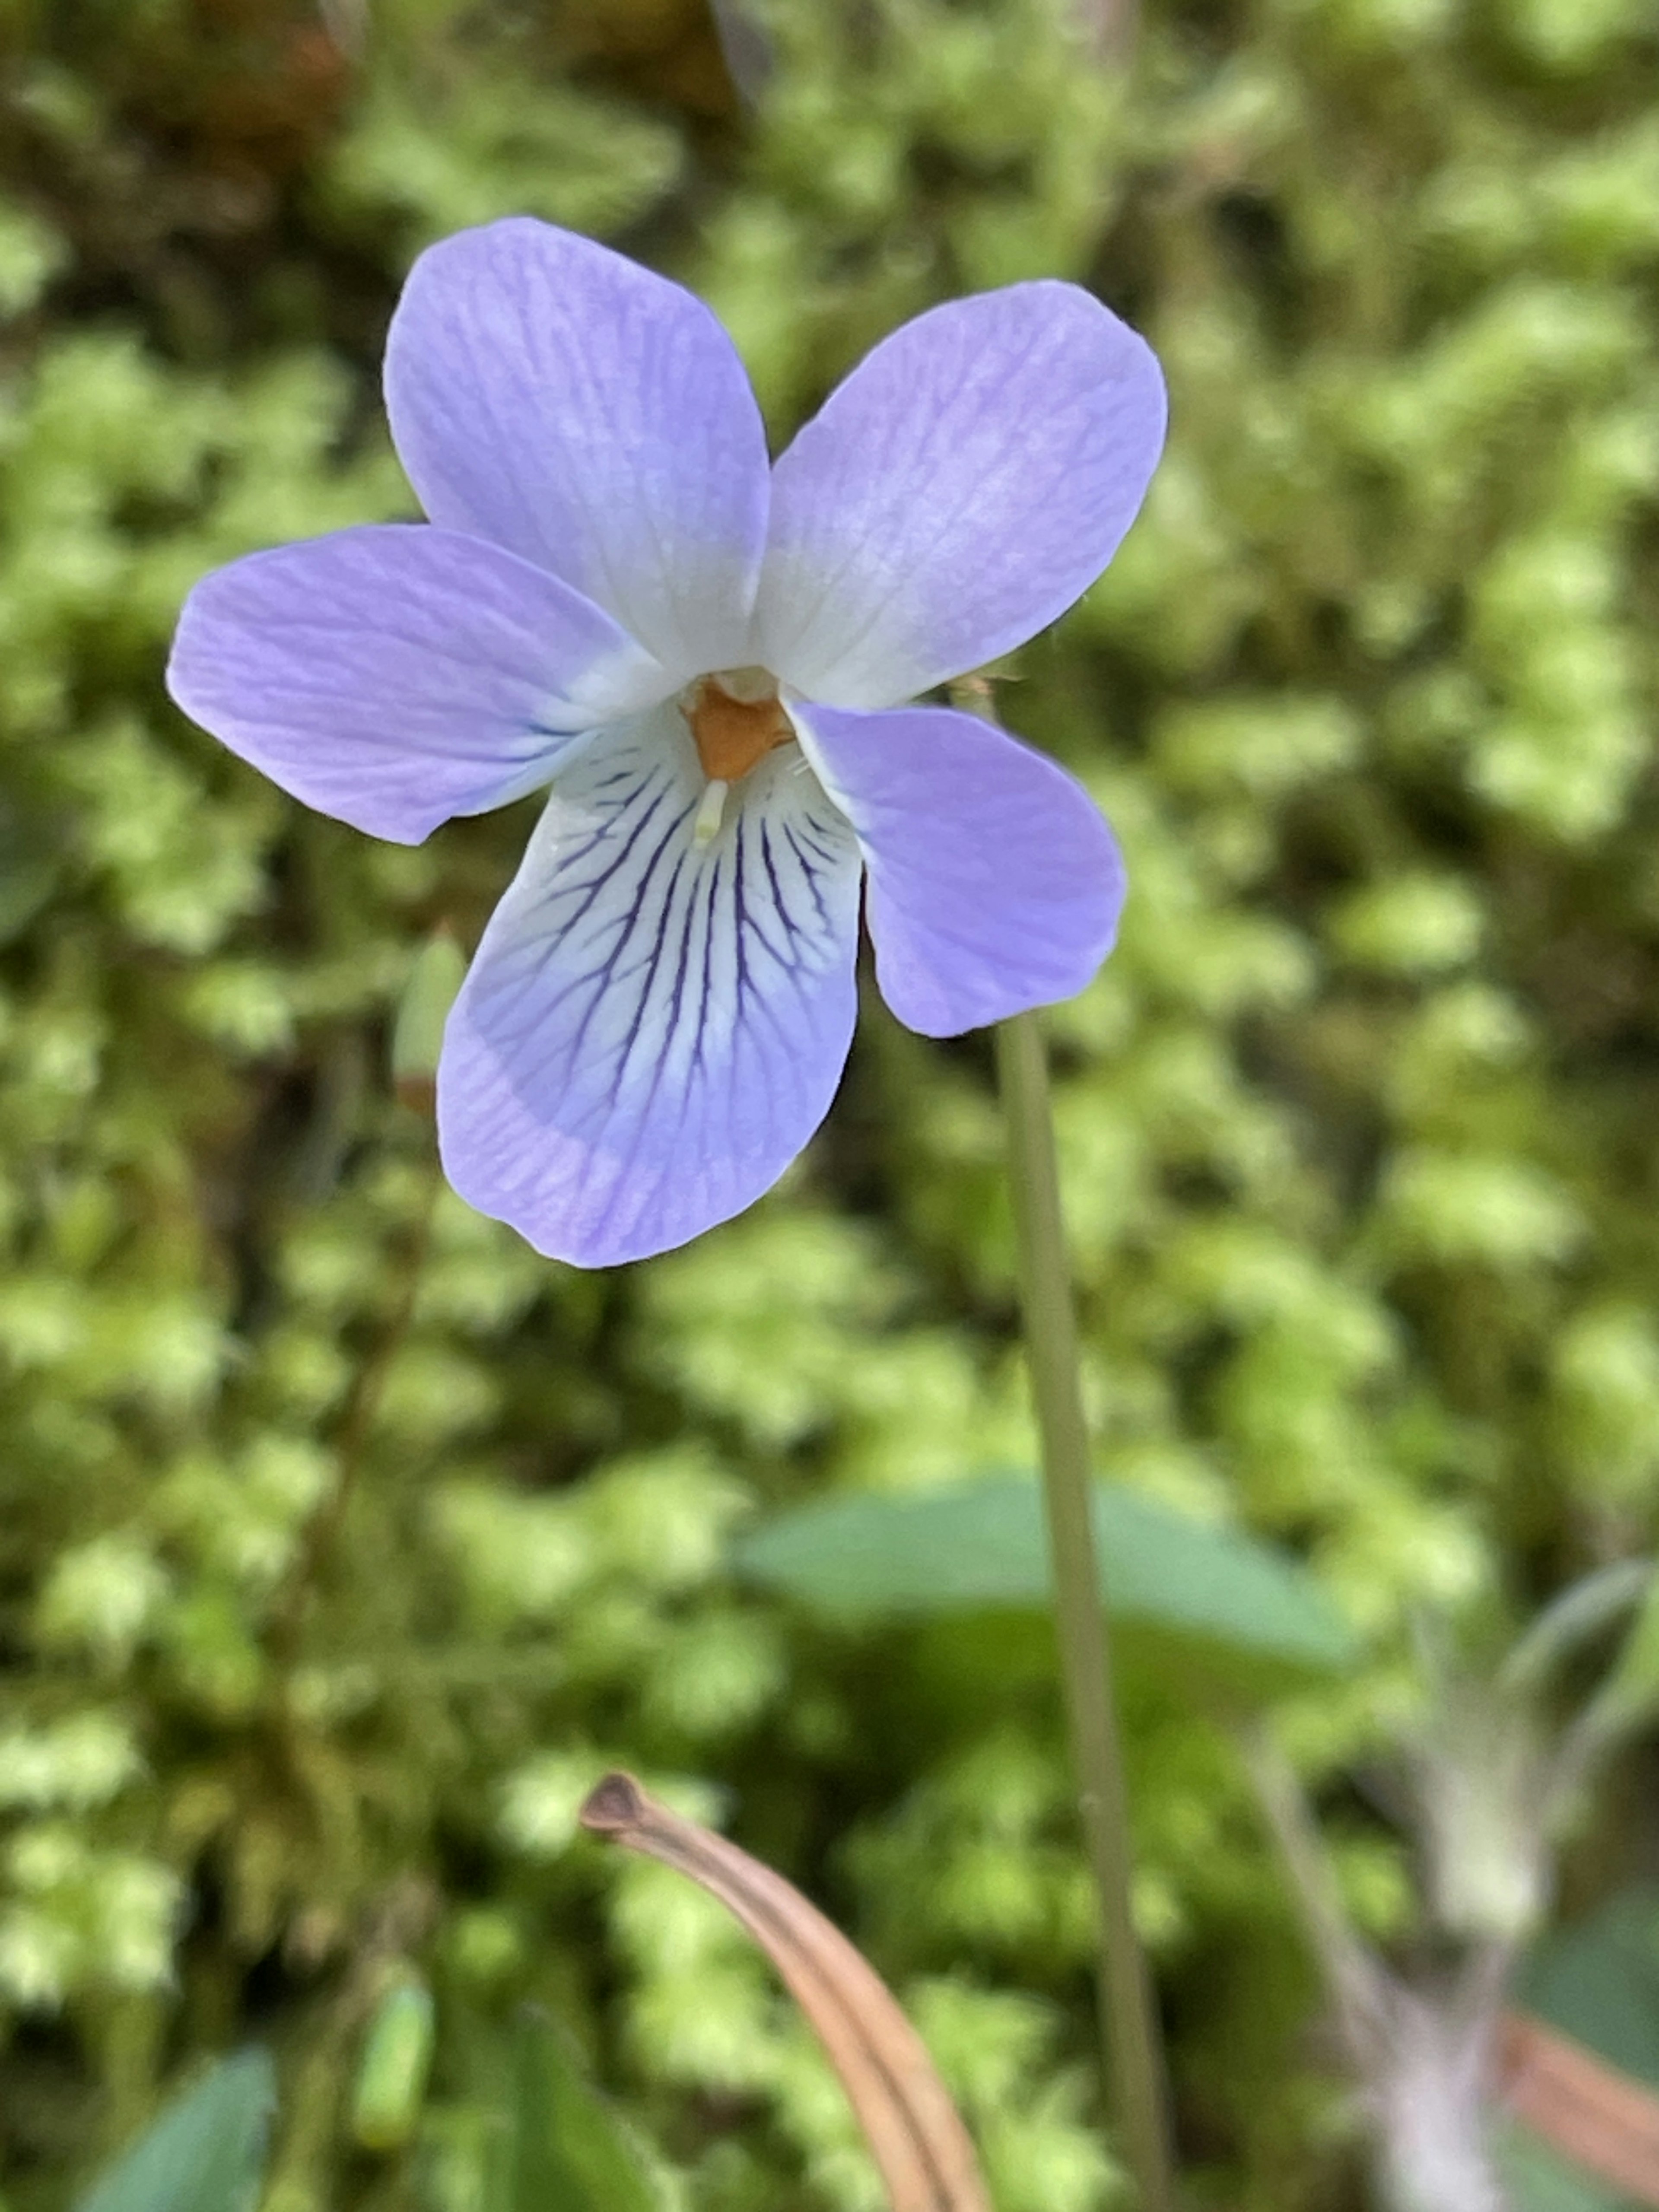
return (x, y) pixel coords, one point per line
(1359, 1126)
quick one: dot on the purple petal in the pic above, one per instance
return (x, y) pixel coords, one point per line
(652, 1027)
(395, 675)
(995, 882)
(593, 417)
(969, 481)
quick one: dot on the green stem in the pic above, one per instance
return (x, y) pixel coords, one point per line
(1134, 2059)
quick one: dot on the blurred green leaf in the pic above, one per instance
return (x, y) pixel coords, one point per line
(1209, 1593)
(204, 2154)
(1540, 2180)
(1598, 1982)
(1586, 1608)
(1630, 1694)
(565, 2150)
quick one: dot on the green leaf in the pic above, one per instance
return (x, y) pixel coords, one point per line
(1598, 1982)
(204, 2154)
(1629, 1697)
(565, 2150)
(1539, 2179)
(1199, 1593)
(1574, 1615)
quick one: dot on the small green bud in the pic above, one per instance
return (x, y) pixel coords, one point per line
(386, 2100)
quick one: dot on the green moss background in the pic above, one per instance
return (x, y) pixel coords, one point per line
(1359, 1126)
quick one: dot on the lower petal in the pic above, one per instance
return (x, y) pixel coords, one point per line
(656, 1020)
(995, 882)
(395, 675)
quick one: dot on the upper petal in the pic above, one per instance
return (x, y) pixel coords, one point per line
(592, 416)
(396, 675)
(653, 1027)
(969, 480)
(995, 882)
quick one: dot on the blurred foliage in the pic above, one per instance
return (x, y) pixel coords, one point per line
(204, 2152)
(341, 1541)
(1211, 1597)
(1598, 1981)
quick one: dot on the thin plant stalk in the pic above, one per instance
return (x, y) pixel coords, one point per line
(1134, 2069)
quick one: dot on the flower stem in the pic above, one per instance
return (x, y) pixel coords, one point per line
(1129, 2034)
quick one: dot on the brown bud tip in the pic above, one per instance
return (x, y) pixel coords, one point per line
(612, 1805)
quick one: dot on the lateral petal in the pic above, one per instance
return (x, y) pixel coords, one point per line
(995, 884)
(395, 675)
(970, 479)
(654, 1027)
(593, 417)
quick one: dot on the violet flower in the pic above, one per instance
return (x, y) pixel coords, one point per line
(707, 662)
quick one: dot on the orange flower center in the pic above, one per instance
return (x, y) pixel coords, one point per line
(736, 720)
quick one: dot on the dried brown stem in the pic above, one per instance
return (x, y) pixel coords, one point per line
(1591, 2113)
(915, 2133)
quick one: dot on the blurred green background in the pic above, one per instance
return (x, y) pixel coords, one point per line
(1359, 1126)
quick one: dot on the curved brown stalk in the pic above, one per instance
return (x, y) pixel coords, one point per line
(1597, 2117)
(915, 2133)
